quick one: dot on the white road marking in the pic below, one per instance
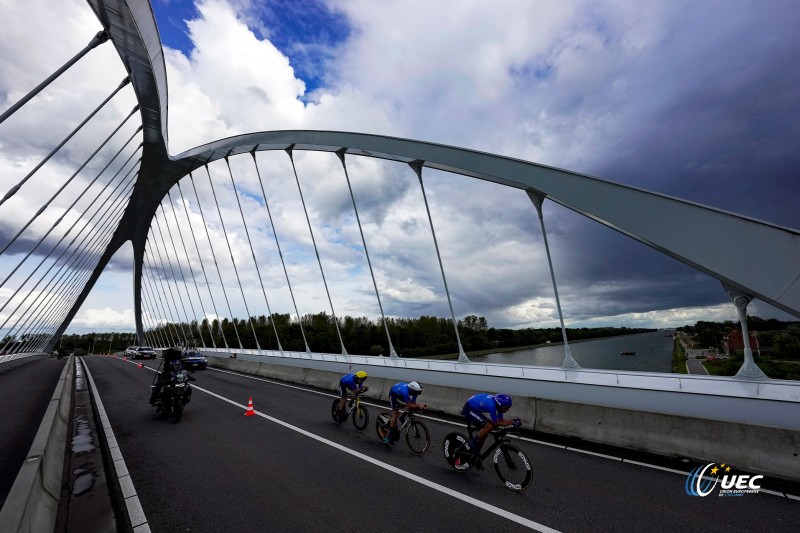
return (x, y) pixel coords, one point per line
(132, 504)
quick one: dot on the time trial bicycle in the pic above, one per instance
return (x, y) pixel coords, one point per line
(418, 437)
(360, 413)
(510, 463)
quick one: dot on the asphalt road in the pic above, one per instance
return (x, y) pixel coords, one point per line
(26, 387)
(218, 470)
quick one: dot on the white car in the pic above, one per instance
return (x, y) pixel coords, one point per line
(139, 352)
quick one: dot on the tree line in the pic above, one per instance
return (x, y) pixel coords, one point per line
(775, 345)
(426, 336)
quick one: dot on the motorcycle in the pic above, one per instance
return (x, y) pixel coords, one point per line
(175, 392)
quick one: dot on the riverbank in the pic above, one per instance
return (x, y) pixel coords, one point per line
(510, 349)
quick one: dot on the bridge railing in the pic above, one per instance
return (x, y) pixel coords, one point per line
(709, 385)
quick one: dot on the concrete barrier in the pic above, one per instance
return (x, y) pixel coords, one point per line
(758, 449)
(32, 504)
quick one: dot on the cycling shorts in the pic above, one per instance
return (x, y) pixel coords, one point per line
(474, 417)
(343, 390)
(395, 400)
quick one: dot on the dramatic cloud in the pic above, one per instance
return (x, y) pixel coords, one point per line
(694, 100)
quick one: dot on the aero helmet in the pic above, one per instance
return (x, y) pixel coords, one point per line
(361, 374)
(415, 386)
(503, 400)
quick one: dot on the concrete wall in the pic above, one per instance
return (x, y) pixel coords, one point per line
(758, 449)
(32, 504)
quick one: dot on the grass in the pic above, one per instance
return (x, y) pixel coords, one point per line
(678, 358)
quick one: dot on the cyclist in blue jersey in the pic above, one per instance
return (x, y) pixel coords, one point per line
(493, 405)
(405, 393)
(353, 383)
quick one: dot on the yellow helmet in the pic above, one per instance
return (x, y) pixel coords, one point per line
(361, 374)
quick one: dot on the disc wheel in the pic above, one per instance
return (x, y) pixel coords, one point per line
(418, 437)
(456, 451)
(335, 413)
(513, 467)
(381, 424)
(360, 417)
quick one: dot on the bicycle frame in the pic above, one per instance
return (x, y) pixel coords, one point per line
(499, 435)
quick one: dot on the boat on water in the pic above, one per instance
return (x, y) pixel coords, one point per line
(627, 353)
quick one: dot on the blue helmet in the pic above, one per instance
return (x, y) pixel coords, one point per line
(503, 400)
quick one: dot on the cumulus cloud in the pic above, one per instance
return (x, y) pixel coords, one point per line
(667, 97)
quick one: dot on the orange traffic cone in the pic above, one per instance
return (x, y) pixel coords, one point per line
(141, 365)
(250, 411)
(124, 357)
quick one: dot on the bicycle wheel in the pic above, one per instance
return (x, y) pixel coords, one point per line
(418, 437)
(360, 417)
(381, 423)
(456, 451)
(512, 467)
(335, 413)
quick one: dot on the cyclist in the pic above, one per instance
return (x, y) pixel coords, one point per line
(353, 383)
(405, 393)
(492, 404)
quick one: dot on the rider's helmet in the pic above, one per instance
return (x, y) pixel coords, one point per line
(361, 375)
(415, 386)
(503, 400)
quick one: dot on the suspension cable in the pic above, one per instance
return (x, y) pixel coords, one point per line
(97, 40)
(316, 251)
(165, 302)
(341, 154)
(14, 189)
(280, 253)
(191, 273)
(63, 186)
(417, 166)
(180, 268)
(230, 250)
(174, 280)
(83, 236)
(203, 268)
(77, 235)
(214, 257)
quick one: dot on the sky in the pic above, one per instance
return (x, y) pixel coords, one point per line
(697, 100)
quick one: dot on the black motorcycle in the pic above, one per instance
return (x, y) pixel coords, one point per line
(172, 392)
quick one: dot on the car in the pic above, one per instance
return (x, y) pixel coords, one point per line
(145, 351)
(194, 360)
(140, 352)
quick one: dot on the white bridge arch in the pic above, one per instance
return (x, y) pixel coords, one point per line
(751, 258)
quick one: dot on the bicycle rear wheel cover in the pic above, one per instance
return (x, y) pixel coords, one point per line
(455, 448)
(383, 419)
(337, 417)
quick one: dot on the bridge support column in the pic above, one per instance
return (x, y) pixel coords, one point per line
(569, 361)
(749, 369)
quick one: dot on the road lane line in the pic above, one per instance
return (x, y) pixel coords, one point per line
(422, 481)
(136, 514)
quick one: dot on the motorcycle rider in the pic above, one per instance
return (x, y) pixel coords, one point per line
(172, 365)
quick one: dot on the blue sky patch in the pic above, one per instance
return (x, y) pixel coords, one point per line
(307, 33)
